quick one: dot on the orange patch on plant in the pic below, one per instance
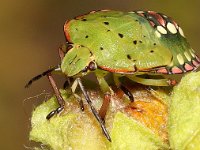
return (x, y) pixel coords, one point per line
(152, 114)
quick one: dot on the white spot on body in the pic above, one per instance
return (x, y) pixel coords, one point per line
(105, 10)
(161, 30)
(180, 59)
(140, 12)
(181, 31)
(158, 34)
(192, 53)
(92, 12)
(164, 16)
(187, 56)
(171, 28)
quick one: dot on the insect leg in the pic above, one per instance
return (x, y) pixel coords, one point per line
(73, 87)
(68, 82)
(153, 82)
(60, 100)
(122, 87)
(107, 93)
(94, 111)
(127, 92)
(105, 105)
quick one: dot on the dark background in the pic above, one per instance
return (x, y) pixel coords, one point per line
(30, 33)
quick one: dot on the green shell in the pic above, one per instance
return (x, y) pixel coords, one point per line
(126, 42)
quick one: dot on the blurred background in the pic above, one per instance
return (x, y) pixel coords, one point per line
(30, 33)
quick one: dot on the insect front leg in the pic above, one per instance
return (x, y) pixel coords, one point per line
(48, 73)
(59, 98)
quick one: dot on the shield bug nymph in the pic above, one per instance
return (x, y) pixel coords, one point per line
(127, 43)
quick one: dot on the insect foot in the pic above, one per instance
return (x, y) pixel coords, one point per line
(58, 95)
(56, 111)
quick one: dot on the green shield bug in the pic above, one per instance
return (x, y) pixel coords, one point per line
(128, 44)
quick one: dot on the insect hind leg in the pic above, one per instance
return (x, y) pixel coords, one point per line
(152, 81)
(127, 92)
(122, 87)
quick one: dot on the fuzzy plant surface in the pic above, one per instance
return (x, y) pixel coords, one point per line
(184, 114)
(157, 119)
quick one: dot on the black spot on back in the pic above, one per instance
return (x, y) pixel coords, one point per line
(106, 23)
(101, 48)
(140, 41)
(120, 35)
(151, 51)
(128, 56)
(108, 30)
(135, 42)
(154, 43)
(86, 36)
(84, 19)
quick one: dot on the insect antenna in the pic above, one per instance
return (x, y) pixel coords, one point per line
(41, 75)
(94, 111)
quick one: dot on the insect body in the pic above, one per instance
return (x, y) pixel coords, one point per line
(125, 43)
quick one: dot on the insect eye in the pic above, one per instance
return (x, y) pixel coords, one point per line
(92, 66)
